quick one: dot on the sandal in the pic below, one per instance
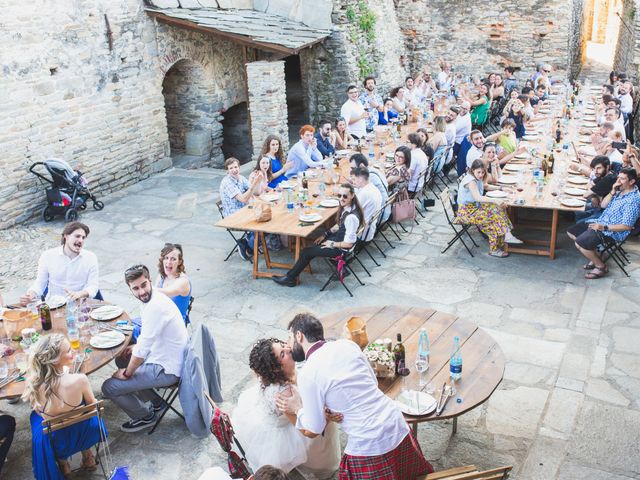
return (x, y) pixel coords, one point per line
(499, 253)
(65, 468)
(596, 273)
(589, 266)
(89, 464)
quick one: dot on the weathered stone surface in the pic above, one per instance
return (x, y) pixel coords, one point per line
(599, 425)
(544, 458)
(529, 350)
(516, 412)
(164, 3)
(626, 339)
(562, 410)
(602, 390)
(573, 471)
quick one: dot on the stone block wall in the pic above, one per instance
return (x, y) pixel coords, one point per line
(478, 36)
(78, 82)
(351, 53)
(627, 56)
(267, 102)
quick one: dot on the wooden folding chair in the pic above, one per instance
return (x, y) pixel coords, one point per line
(73, 417)
(469, 472)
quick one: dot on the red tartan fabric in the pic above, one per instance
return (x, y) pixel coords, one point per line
(402, 463)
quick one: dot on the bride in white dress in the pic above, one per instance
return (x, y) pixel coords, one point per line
(269, 437)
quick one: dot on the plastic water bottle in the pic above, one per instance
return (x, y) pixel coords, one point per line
(372, 152)
(289, 201)
(422, 360)
(455, 360)
(323, 188)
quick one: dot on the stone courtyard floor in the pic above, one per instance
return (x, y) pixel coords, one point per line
(569, 404)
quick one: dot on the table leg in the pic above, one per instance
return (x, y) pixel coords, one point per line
(414, 429)
(455, 425)
(554, 234)
(256, 254)
(297, 255)
(267, 257)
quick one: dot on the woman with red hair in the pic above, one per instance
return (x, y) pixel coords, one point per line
(304, 153)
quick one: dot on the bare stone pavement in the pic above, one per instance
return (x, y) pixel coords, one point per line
(568, 407)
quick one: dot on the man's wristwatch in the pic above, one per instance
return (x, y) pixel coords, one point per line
(333, 244)
(605, 228)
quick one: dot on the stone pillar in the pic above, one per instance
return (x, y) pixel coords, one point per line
(267, 102)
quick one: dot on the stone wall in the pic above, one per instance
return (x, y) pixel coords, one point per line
(479, 37)
(267, 102)
(351, 53)
(211, 80)
(627, 56)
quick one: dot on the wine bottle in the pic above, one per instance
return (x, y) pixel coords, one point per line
(398, 352)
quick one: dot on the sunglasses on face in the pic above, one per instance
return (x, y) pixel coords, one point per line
(135, 269)
(343, 195)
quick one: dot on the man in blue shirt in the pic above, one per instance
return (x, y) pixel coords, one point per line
(304, 153)
(323, 138)
(621, 212)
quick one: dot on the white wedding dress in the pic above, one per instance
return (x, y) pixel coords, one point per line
(269, 438)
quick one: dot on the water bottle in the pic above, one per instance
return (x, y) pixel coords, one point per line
(372, 152)
(422, 359)
(322, 188)
(289, 200)
(455, 360)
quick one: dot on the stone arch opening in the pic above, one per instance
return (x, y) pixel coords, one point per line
(191, 122)
(236, 140)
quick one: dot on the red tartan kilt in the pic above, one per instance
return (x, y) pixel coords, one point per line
(402, 463)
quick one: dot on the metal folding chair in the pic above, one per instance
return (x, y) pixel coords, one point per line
(459, 229)
(168, 396)
(348, 257)
(235, 240)
(612, 249)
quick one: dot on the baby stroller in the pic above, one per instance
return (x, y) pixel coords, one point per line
(67, 192)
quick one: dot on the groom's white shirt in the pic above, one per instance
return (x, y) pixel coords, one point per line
(338, 375)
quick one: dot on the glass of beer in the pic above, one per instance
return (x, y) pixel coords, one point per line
(74, 338)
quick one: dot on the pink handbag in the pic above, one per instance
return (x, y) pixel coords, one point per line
(404, 208)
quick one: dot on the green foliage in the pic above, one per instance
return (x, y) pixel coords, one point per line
(351, 14)
(363, 22)
(367, 20)
(364, 66)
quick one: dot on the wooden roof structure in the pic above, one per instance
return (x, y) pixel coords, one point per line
(252, 28)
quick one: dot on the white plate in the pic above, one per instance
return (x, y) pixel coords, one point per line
(106, 312)
(529, 136)
(589, 124)
(416, 403)
(514, 167)
(589, 151)
(109, 339)
(574, 191)
(286, 184)
(522, 155)
(343, 153)
(572, 202)
(312, 217)
(271, 197)
(507, 180)
(330, 202)
(496, 194)
(578, 180)
(56, 301)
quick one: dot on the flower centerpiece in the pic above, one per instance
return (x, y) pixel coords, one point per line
(381, 359)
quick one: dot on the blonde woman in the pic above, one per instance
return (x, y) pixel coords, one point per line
(173, 280)
(52, 390)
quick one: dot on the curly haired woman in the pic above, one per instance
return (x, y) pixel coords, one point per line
(271, 438)
(52, 391)
(173, 280)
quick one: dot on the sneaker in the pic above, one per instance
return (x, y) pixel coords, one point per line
(242, 249)
(137, 425)
(159, 408)
(499, 253)
(509, 238)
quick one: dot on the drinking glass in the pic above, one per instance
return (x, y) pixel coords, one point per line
(21, 362)
(4, 369)
(422, 365)
(32, 307)
(73, 334)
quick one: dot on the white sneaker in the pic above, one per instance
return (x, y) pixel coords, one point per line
(509, 238)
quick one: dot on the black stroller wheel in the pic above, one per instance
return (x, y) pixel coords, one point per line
(71, 215)
(47, 214)
(82, 207)
(98, 205)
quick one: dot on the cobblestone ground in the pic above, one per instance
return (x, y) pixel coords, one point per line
(568, 407)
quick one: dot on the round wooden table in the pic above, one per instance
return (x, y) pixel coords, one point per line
(483, 360)
(97, 358)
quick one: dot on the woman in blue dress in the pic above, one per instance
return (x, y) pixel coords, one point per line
(173, 280)
(52, 390)
(272, 149)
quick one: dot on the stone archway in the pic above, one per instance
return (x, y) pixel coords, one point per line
(195, 135)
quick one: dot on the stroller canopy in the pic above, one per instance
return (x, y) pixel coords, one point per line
(57, 167)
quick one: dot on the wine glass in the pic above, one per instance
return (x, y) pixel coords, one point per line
(4, 369)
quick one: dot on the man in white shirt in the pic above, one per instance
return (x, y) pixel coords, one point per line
(450, 129)
(68, 270)
(477, 144)
(376, 177)
(369, 198)
(354, 113)
(463, 122)
(626, 101)
(337, 376)
(614, 116)
(156, 358)
(445, 77)
(419, 164)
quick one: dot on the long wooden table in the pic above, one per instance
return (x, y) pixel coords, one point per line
(96, 359)
(284, 222)
(547, 201)
(483, 360)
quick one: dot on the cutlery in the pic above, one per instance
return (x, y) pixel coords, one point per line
(12, 377)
